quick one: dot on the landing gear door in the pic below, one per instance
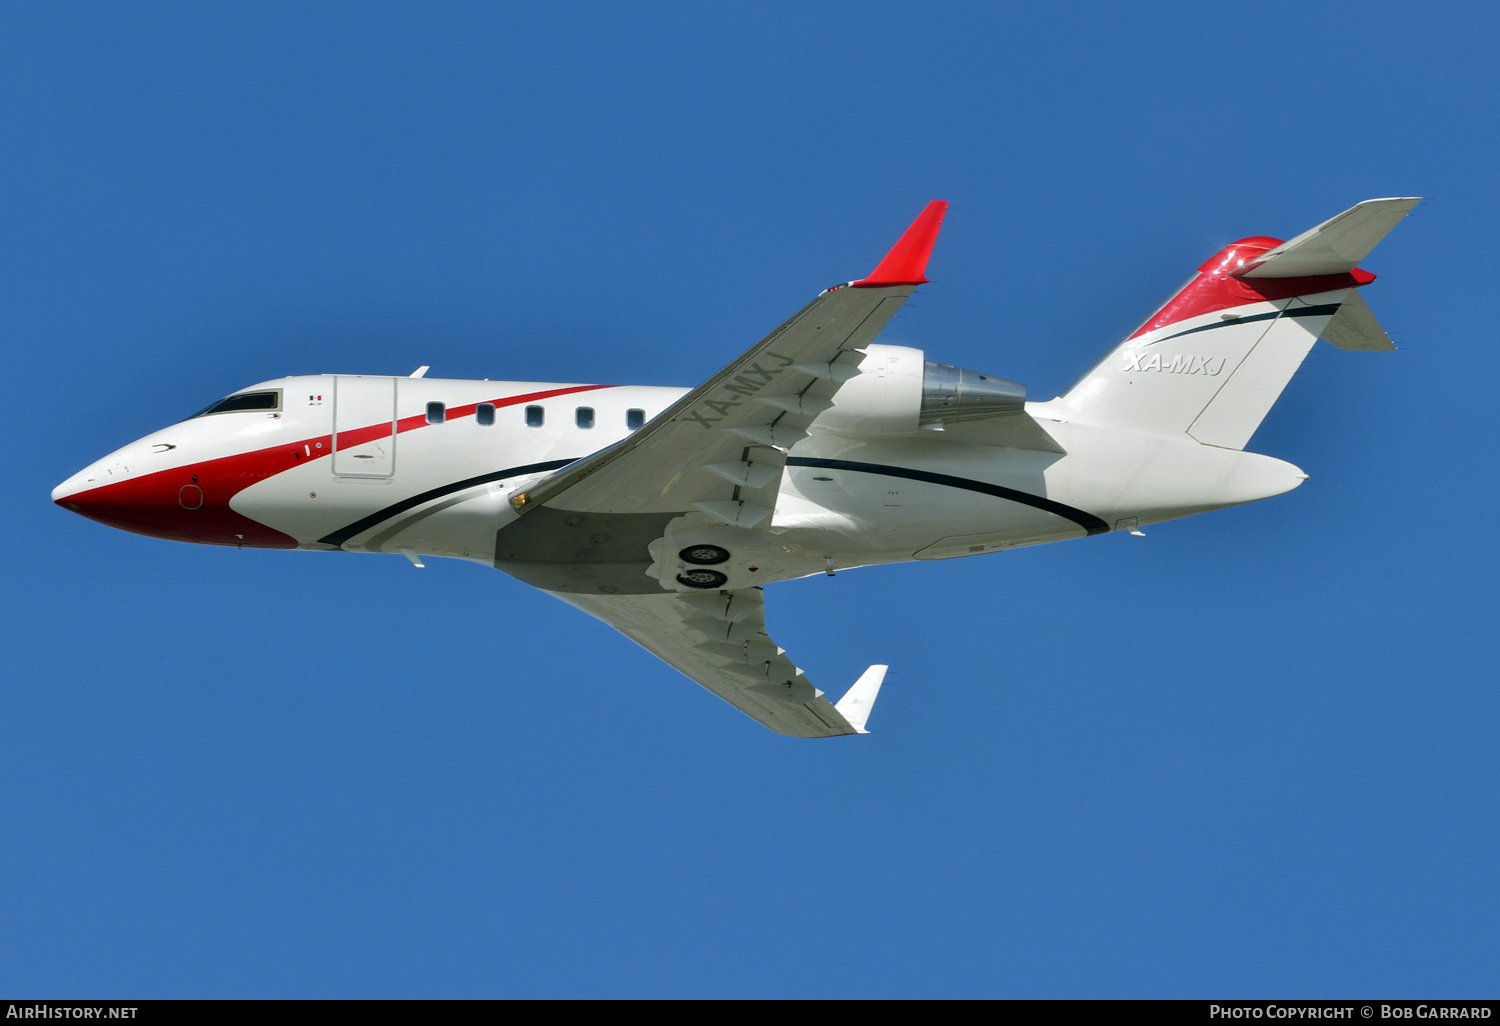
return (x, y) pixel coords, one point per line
(364, 427)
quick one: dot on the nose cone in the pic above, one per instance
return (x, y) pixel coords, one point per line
(75, 492)
(65, 489)
(189, 503)
(86, 479)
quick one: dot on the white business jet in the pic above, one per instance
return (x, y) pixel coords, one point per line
(662, 511)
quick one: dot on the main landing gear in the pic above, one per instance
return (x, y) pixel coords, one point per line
(703, 557)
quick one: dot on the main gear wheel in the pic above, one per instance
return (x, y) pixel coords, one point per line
(704, 555)
(702, 577)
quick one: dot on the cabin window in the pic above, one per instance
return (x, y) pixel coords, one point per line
(244, 402)
(634, 419)
(436, 413)
(484, 414)
(534, 416)
(585, 417)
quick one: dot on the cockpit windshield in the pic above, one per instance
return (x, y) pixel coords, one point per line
(242, 402)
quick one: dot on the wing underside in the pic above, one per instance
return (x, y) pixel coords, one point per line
(719, 640)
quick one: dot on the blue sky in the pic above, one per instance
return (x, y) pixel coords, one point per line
(1253, 754)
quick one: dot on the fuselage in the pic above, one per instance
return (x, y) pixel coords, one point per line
(661, 511)
(427, 466)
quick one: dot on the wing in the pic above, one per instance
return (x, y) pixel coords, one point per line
(721, 448)
(719, 640)
(585, 533)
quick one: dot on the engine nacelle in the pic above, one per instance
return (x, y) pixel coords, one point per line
(883, 399)
(897, 391)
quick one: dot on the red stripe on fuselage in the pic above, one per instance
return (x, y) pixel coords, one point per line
(149, 504)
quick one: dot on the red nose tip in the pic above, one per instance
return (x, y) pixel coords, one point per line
(174, 505)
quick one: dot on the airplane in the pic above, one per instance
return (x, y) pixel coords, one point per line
(664, 511)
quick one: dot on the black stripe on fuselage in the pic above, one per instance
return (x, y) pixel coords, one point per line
(1087, 521)
(1300, 311)
(363, 524)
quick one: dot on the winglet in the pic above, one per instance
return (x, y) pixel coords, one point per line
(857, 702)
(906, 263)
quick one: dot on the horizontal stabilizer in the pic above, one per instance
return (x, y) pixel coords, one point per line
(857, 702)
(1337, 245)
(1355, 327)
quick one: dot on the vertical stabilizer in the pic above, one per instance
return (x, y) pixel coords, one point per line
(1215, 357)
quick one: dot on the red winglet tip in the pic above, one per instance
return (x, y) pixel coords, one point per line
(1361, 276)
(906, 263)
